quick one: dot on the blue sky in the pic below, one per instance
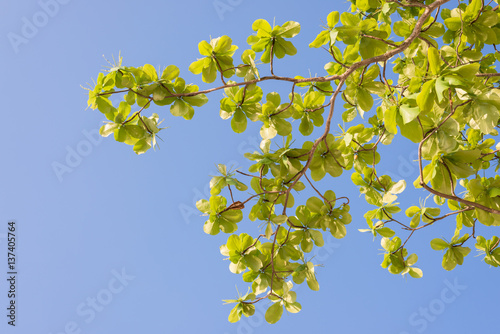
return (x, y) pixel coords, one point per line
(114, 245)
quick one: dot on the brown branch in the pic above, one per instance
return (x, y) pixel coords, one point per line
(433, 46)
(272, 56)
(255, 242)
(335, 58)
(145, 125)
(461, 200)
(230, 192)
(468, 208)
(317, 191)
(435, 19)
(450, 175)
(317, 108)
(394, 45)
(387, 82)
(114, 92)
(259, 299)
(220, 68)
(394, 220)
(272, 257)
(478, 14)
(493, 152)
(488, 75)
(289, 105)
(246, 174)
(412, 4)
(333, 155)
(137, 113)
(403, 245)
(495, 245)
(243, 96)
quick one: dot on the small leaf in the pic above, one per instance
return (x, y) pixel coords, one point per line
(439, 244)
(434, 60)
(274, 312)
(179, 108)
(398, 187)
(108, 129)
(416, 273)
(408, 114)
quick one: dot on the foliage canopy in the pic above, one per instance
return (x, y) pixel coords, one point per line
(446, 101)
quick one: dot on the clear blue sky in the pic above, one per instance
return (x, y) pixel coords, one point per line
(114, 244)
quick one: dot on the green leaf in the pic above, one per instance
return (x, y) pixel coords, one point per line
(349, 115)
(170, 73)
(239, 121)
(209, 73)
(402, 29)
(322, 38)
(235, 314)
(197, 100)
(317, 236)
(390, 120)
(472, 10)
(150, 71)
(314, 204)
(197, 66)
(434, 60)
(312, 283)
(453, 23)
(293, 307)
(142, 146)
(416, 273)
(411, 211)
(467, 71)
(223, 45)
(274, 312)
(108, 129)
(179, 108)
(332, 19)
(412, 259)
(283, 128)
(398, 187)
(135, 131)
(262, 24)
(349, 19)
(203, 205)
(268, 132)
(385, 232)
(289, 29)
(233, 216)
(248, 309)
(372, 73)
(253, 262)
(439, 244)
(364, 99)
(425, 98)
(306, 127)
(485, 117)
